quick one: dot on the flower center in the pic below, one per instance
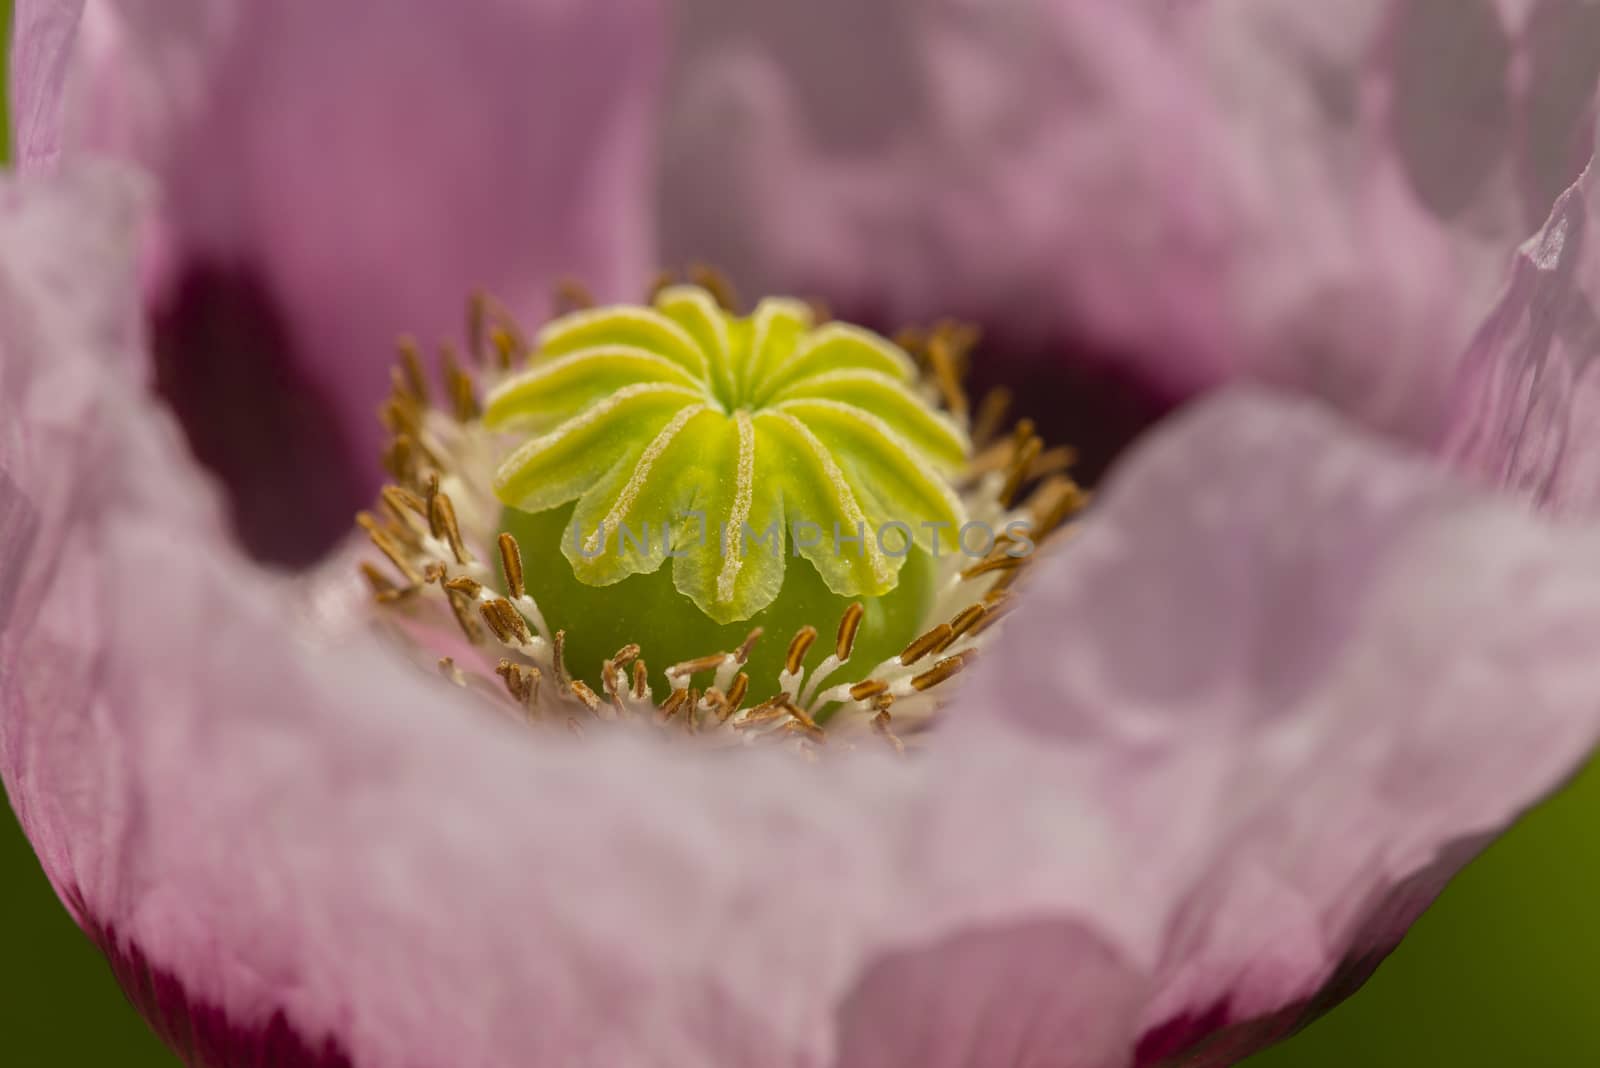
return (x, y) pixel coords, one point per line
(671, 482)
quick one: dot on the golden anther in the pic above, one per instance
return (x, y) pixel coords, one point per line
(461, 608)
(737, 692)
(572, 296)
(691, 711)
(459, 385)
(766, 712)
(943, 359)
(403, 500)
(506, 622)
(662, 280)
(670, 706)
(867, 688)
(492, 331)
(998, 562)
(462, 584)
(385, 544)
(559, 661)
(798, 647)
(416, 379)
(1053, 461)
(377, 580)
(511, 566)
(923, 645)
(742, 654)
(964, 621)
(941, 670)
(506, 347)
(698, 664)
(991, 416)
(1021, 464)
(641, 681)
(443, 519)
(717, 284)
(849, 624)
(581, 691)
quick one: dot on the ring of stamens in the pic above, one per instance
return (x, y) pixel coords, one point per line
(434, 526)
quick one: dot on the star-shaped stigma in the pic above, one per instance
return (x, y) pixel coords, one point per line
(727, 443)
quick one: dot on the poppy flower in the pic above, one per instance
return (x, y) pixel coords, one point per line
(1321, 632)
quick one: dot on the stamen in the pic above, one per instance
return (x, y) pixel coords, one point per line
(941, 670)
(442, 518)
(430, 535)
(716, 283)
(572, 295)
(849, 624)
(925, 644)
(415, 379)
(511, 566)
(798, 647)
(880, 724)
(991, 416)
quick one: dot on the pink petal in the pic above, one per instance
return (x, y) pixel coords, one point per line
(334, 175)
(1330, 669)
(1268, 684)
(1315, 194)
(1528, 400)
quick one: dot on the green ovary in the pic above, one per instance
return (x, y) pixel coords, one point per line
(599, 620)
(631, 418)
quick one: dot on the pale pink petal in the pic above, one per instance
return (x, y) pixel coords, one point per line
(334, 175)
(1528, 401)
(1332, 666)
(1274, 679)
(1314, 194)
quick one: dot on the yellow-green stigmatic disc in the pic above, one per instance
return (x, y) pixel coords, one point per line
(776, 470)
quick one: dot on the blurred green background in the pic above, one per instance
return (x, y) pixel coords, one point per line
(1501, 972)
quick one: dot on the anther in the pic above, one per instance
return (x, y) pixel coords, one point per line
(380, 583)
(1021, 464)
(964, 621)
(991, 416)
(416, 380)
(572, 295)
(716, 283)
(849, 624)
(464, 585)
(641, 681)
(670, 706)
(867, 689)
(461, 608)
(698, 664)
(459, 385)
(998, 562)
(737, 692)
(941, 670)
(742, 654)
(946, 375)
(798, 647)
(559, 661)
(923, 645)
(443, 520)
(581, 691)
(511, 566)
(402, 500)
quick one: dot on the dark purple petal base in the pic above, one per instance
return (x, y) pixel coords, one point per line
(202, 1034)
